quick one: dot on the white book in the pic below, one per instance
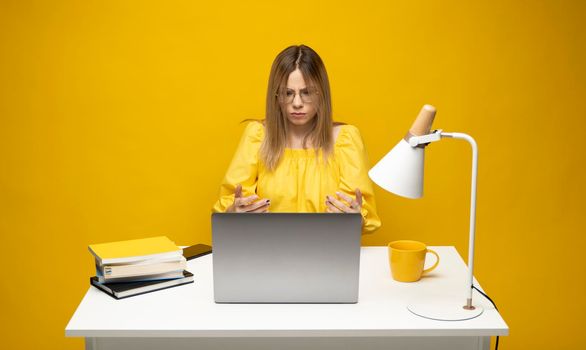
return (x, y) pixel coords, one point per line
(147, 261)
(163, 276)
(150, 267)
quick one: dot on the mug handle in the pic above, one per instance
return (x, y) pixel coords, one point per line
(436, 262)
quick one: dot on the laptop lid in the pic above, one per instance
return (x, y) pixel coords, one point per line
(286, 257)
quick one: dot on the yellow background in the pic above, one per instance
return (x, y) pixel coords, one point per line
(118, 120)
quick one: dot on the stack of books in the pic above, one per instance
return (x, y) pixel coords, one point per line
(138, 266)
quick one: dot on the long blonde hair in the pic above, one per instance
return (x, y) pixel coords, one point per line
(314, 72)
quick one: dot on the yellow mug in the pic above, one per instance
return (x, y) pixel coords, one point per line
(407, 259)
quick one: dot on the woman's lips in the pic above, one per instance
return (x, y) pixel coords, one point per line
(298, 114)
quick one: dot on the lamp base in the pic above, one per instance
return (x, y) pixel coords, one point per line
(445, 310)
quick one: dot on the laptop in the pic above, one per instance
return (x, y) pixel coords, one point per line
(286, 257)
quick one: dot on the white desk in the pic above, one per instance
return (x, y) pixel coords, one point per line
(186, 317)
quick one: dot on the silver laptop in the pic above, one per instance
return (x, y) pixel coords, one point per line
(286, 257)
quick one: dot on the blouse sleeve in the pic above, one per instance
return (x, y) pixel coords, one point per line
(243, 169)
(353, 162)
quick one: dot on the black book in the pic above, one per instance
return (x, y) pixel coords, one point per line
(128, 289)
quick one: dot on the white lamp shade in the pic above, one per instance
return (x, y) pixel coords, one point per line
(401, 171)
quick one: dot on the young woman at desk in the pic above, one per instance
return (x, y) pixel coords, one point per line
(297, 159)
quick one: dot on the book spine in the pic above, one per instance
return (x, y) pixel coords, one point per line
(117, 271)
(140, 259)
(159, 277)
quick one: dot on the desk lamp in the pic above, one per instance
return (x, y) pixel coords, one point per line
(401, 172)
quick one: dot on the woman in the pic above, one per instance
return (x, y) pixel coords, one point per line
(298, 159)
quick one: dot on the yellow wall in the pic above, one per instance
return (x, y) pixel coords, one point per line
(118, 120)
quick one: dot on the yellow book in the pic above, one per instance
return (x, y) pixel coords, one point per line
(135, 250)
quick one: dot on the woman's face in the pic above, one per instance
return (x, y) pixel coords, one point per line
(299, 100)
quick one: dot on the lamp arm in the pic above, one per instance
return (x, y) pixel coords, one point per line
(415, 141)
(472, 142)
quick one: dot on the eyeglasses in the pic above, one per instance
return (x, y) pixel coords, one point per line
(307, 95)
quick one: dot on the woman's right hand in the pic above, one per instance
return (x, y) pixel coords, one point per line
(250, 204)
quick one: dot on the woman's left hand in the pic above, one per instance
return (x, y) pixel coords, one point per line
(344, 203)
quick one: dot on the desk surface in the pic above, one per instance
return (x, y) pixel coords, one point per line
(190, 311)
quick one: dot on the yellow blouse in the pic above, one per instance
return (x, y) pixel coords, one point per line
(301, 181)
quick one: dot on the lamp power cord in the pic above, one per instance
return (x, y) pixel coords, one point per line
(496, 346)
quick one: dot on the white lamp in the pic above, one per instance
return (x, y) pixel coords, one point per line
(401, 172)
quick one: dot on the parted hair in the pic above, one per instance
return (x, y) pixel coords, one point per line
(314, 73)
